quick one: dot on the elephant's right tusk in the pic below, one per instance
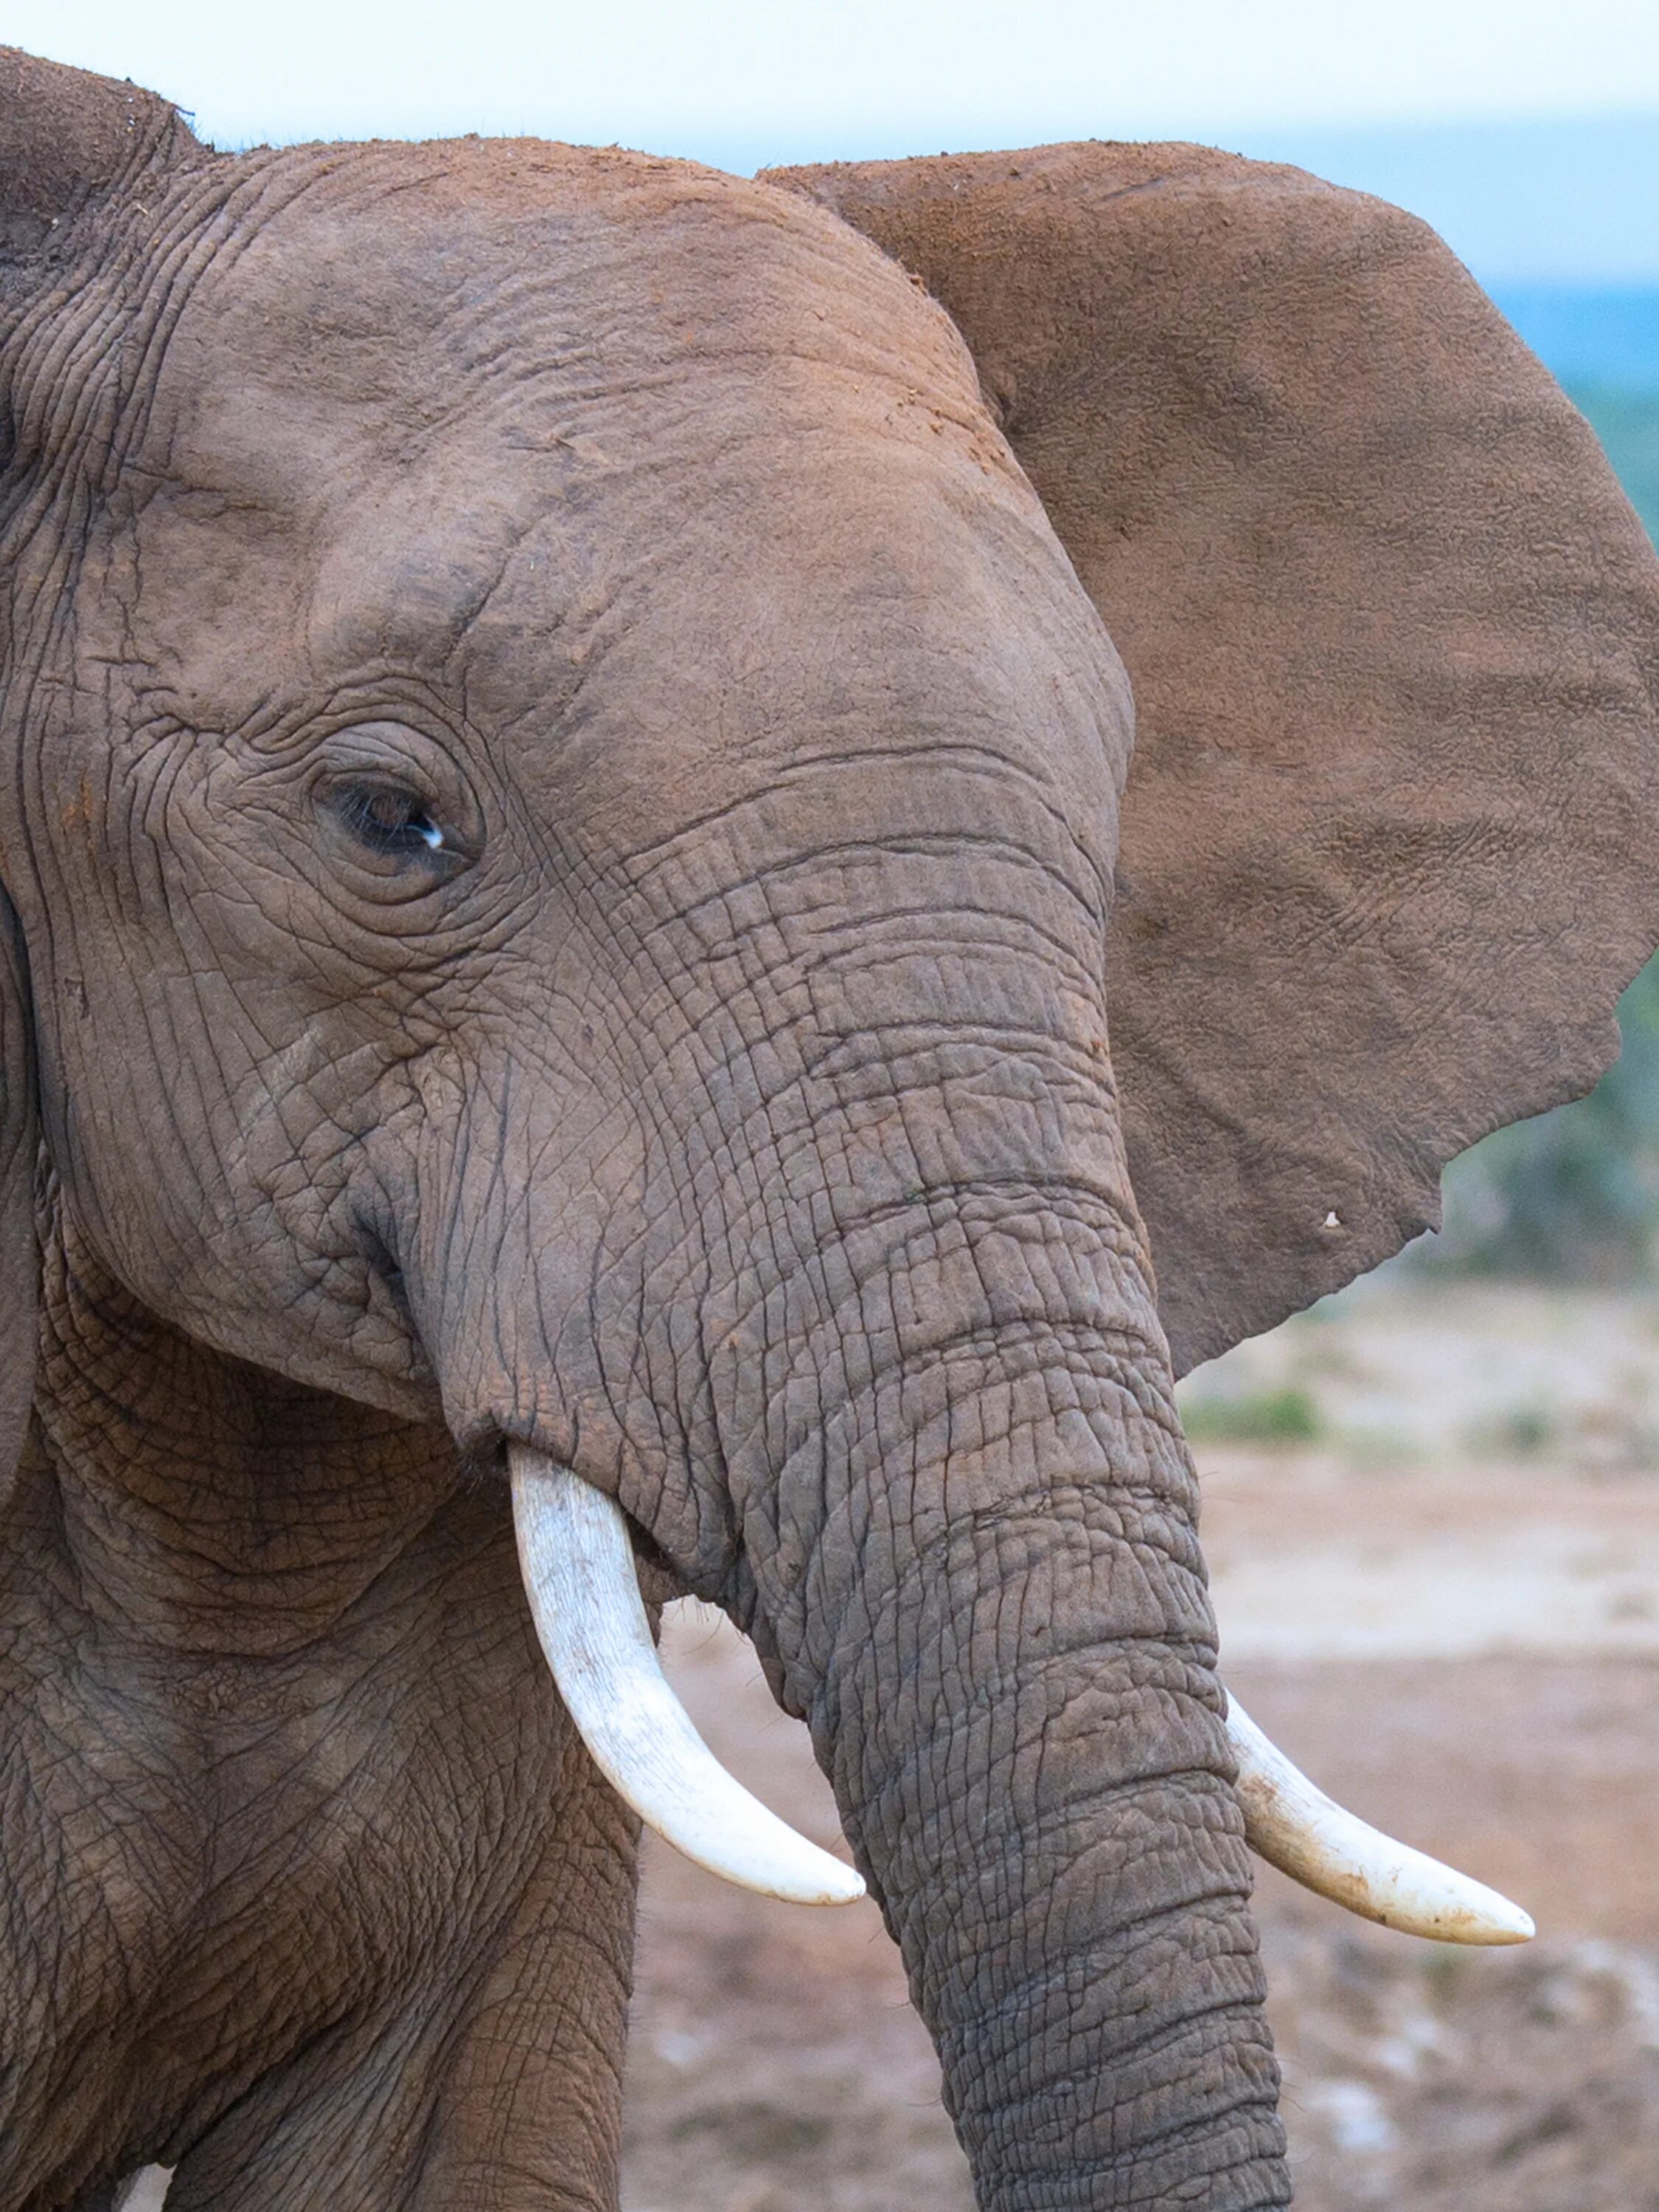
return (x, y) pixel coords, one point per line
(1297, 1828)
(578, 1568)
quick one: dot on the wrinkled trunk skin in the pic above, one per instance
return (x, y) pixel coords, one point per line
(985, 1594)
(936, 1471)
(965, 1525)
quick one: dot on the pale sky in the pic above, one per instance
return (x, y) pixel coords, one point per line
(740, 82)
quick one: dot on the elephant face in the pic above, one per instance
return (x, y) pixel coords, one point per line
(457, 717)
(564, 843)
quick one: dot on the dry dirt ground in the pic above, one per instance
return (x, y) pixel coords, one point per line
(1444, 1600)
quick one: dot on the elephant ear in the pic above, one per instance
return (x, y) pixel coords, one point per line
(1387, 850)
(68, 139)
(69, 143)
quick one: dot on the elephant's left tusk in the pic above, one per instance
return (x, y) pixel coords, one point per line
(1297, 1828)
(578, 1568)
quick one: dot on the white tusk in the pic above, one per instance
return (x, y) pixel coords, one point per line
(578, 1568)
(1300, 1831)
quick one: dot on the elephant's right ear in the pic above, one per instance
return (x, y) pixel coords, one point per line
(68, 139)
(1390, 844)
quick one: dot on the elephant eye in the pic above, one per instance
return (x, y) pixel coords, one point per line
(389, 821)
(393, 830)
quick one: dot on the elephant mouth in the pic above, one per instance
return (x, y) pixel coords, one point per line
(577, 1561)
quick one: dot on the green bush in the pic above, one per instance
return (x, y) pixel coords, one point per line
(1263, 1416)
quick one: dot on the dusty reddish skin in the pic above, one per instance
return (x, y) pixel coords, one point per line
(1393, 635)
(725, 1107)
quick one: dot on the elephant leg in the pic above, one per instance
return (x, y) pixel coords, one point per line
(531, 2111)
(500, 2092)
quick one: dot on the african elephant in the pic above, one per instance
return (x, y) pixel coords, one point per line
(566, 853)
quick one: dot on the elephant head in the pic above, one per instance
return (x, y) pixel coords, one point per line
(570, 838)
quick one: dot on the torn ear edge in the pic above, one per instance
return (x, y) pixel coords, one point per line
(1393, 631)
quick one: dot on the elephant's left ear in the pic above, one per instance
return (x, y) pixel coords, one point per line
(1390, 848)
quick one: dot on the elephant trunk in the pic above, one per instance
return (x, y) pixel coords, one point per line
(900, 1324)
(855, 1321)
(977, 1576)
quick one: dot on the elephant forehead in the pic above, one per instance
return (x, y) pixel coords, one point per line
(872, 607)
(367, 301)
(424, 368)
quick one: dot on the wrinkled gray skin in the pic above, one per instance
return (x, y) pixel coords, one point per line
(724, 1108)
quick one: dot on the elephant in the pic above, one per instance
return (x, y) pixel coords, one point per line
(569, 835)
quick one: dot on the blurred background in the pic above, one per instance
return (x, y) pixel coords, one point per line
(1431, 1504)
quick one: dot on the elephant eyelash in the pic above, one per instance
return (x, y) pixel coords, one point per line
(389, 821)
(394, 831)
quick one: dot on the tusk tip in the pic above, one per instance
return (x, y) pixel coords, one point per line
(1296, 1827)
(1437, 1904)
(844, 1887)
(785, 1865)
(1505, 1921)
